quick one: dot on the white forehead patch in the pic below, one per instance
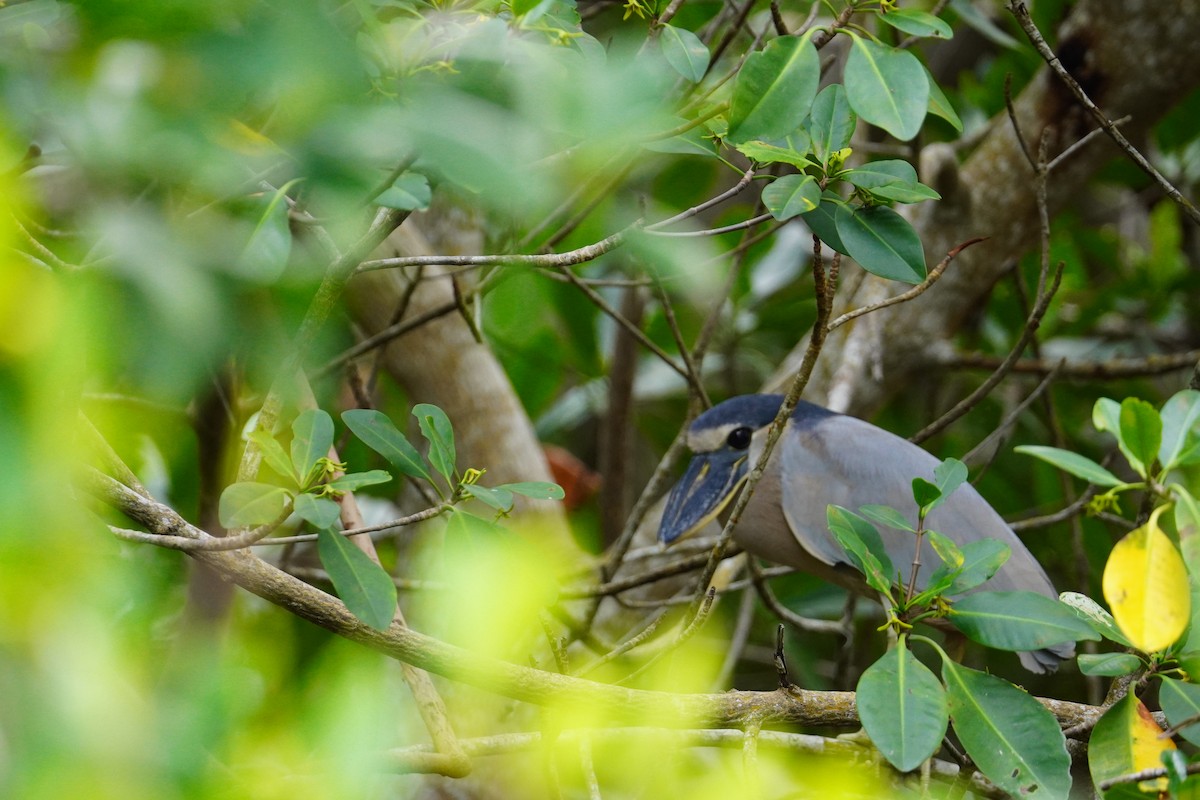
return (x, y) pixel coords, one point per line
(710, 439)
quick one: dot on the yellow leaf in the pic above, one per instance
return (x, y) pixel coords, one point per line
(1146, 746)
(1145, 584)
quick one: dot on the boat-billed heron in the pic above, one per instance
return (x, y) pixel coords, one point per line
(824, 457)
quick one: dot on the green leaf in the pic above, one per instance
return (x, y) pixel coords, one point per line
(247, 503)
(886, 87)
(946, 549)
(774, 90)
(1077, 465)
(905, 193)
(823, 221)
(274, 455)
(981, 560)
(410, 192)
(363, 586)
(1141, 433)
(903, 708)
(435, 426)
(1106, 415)
(791, 196)
(982, 22)
(312, 437)
(1181, 701)
(538, 490)
(886, 515)
(1126, 740)
(1017, 620)
(1180, 430)
(381, 435)
(863, 545)
(874, 174)
(1013, 739)
(266, 254)
(499, 499)
(684, 51)
(939, 104)
(832, 122)
(355, 480)
(791, 150)
(917, 23)
(1094, 614)
(692, 142)
(1108, 665)
(925, 494)
(320, 512)
(947, 476)
(882, 242)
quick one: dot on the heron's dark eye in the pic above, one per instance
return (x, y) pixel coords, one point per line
(739, 438)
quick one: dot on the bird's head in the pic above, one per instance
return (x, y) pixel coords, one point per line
(720, 441)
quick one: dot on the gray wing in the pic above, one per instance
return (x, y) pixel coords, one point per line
(844, 460)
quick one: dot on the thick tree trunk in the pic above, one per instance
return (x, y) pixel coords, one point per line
(1133, 58)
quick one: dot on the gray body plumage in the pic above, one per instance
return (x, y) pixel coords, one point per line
(827, 458)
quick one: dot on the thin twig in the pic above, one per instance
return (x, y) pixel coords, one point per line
(737, 226)
(816, 340)
(1020, 11)
(1081, 370)
(802, 624)
(915, 291)
(733, 191)
(553, 260)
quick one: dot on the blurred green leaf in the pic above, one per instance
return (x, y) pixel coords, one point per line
(1018, 620)
(917, 23)
(886, 87)
(1077, 465)
(410, 192)
(832, 122)
(882, 242)
(265, 256)
(247, 503)
(312, 438)
(538, 490)
(499, 499)
(356, 480)
(321, 512)
(903, 708)
(1013, 739)
(1141, 433)
(1180, 430)
(362, 585)
(381, 435)
(436, 428)
(684, 51)
(274, 454)
(791, 196)
(774, 90)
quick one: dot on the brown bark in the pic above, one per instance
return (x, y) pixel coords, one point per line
(1133, 58)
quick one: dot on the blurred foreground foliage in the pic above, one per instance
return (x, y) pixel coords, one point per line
(193, 165)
